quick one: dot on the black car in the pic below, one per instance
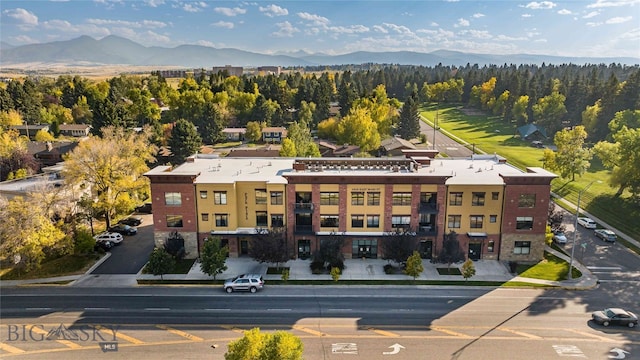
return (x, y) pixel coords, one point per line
(615, 316)
(131, 221)
(123, 229)
(105, 245)
(144, 208)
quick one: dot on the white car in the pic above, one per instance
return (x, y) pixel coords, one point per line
(113, 237)
(587, 223)
(560, 238)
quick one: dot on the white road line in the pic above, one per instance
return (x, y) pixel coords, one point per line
(157, 309)
(96, 308)
(39, 308)
(217, 309)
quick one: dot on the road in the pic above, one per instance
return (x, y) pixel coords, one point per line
(333, 322)
(443, 143)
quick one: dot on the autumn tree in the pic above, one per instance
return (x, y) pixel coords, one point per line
(468, 269)
(288, 148)
(255, 345)
(519, 110)
(213, 257)
(549, 111)
(14, 156)
(300, 135)
(622, 157)
(112, 167)
(184, 141)
(414, 265)
(571, 157)
(358, 128)
(254, 131)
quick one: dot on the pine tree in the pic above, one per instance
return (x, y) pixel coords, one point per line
(409, 124)
(184, 141)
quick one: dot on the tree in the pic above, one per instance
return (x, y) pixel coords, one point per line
(519, 110)
(254, 131)
(160, 263)
(269, 246)
(174, 245)
(468, 269)
(549, 111)
(255, 345)
(331, 251)
(357, 128)
(409, 124)
(213, 257)
(335, 273)
(414, 265)
(398, 246)
(184, 141)
(43, 136)
(112, 167)
(571, 157)
(288, 148)
(451, 251)
(622, 157)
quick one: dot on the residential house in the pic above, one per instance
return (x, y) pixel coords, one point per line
(234, 134)
(274, 134)
(75, 130)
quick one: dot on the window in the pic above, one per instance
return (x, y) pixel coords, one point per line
(357, 221)
(493, 218)
(455, 199)
(222, 220)
(373, 198)
(400, 221)
(476, 221)
(426, 198)
(373, 221)
(277, 220)
(490, 245)
(357, 198)
(329, 221)
(261, 218)
(522, 247)
(172, 198)
(477, 199)
(277, 198)
(174, 221)
(329, 198)
(261, 196)
(204, 217)
(495, 195)
(203, 194)
(402, 199)
(524, 223)
(527, 200)
(220, 197)
(454, 221)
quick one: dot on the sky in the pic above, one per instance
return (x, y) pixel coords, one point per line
(590, 28)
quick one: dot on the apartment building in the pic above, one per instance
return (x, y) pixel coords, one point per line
(497, 210)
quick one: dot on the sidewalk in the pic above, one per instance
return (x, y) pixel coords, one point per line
(355, 269)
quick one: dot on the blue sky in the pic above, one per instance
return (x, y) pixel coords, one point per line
(602, 28)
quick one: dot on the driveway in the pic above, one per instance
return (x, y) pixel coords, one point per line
(133, 253)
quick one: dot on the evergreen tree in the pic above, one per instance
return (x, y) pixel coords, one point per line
(184, 141)
(409, 123)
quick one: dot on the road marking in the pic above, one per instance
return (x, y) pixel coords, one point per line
(232, 328)
(278, 309)
(309, 331)
(119, 335)
(601, 338)
(604, 268)
(66, 343)
(96, 309)
(10, 349)
(383, 332)
(530, 336)
(217, 309)
(179, 333)
(568, 350)
(39, 308)
(157, 309)
(344, 348)
(451, 332)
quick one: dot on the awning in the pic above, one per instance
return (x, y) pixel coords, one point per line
(477, 235)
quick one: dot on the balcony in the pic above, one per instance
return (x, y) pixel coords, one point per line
(303, 208)
(304, 229)
(428, 208)
(427, 229)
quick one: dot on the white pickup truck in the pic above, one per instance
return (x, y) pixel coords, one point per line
(606, 235)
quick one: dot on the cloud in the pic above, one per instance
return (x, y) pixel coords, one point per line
(285, 29)
(477, 15)
(591, 14)
(149, 24)
(273, 10)
(564, 12)
(316, 19)
(206, 43)
(612, 3)
(618, 20)
(476, 34)
(23, 16)
(462, 23)
(154, 3)
(400, 29)
(230, 11)
(23, 39)
(353, 29)
(223, 24)
(380, 29)
(540, 5)
(526, 15)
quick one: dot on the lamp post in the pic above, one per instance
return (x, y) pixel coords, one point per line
(435, 127)
(575, 230)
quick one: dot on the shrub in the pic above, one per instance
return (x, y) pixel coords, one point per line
(388, 269)
(317, 267)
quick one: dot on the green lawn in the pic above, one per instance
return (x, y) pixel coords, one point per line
(551, 268)
(66, 265)
(492, 135)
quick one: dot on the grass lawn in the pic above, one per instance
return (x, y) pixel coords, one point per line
(182, 267)
(492, 135)
(551, 268)
(66, 265)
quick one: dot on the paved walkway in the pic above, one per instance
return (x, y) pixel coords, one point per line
(355, 269)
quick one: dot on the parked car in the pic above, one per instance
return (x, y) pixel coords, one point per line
(245, 282)
(105, 245)
(131, 221)
(615, 316)
(123, 229)
(115, 238)
(587, 223)
(144, 208)
(606, 235)
(560, 238)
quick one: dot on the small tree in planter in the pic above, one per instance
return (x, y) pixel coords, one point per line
(468, 269)
(160, 263)
(174, 245)
(269, 246)
(335, 273)
(414, 265)
(213, 257)
(451, 251)
(398, 246)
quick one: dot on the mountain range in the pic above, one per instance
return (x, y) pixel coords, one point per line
(115, 50)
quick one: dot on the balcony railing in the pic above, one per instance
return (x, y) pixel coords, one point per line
(304, 208)
(304, 229)
(428, 208)
(426, 229)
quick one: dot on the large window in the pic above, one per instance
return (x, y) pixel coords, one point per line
(402, 199)
(373, 198)
(476, 221)
(277, 220)
(329, 221)
(174, 221)
(524, 223)
(522, 247)
(373, 221)
(261, 218)
(477, 199)
(329, 198)
(277, 198)
(220, 197)
(527, 200)
(261, 196)
(172, 199)
(357, 221)
(453, 222)
(357, 198)
(222, 220)
(400, 221)
(455, 199)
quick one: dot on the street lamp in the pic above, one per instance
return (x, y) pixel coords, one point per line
(435, 127)
(575, 230)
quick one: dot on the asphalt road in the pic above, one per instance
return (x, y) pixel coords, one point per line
(443, 143)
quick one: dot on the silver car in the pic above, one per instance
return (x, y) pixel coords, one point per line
(245, 282)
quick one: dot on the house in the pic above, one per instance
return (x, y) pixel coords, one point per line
(50, 153)
(274, 134)
(269, 151)
(393, 146)
(29, 130)
(532, 132)
(330, 149)
(498, 211)
(75, 130)
(234, 134)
